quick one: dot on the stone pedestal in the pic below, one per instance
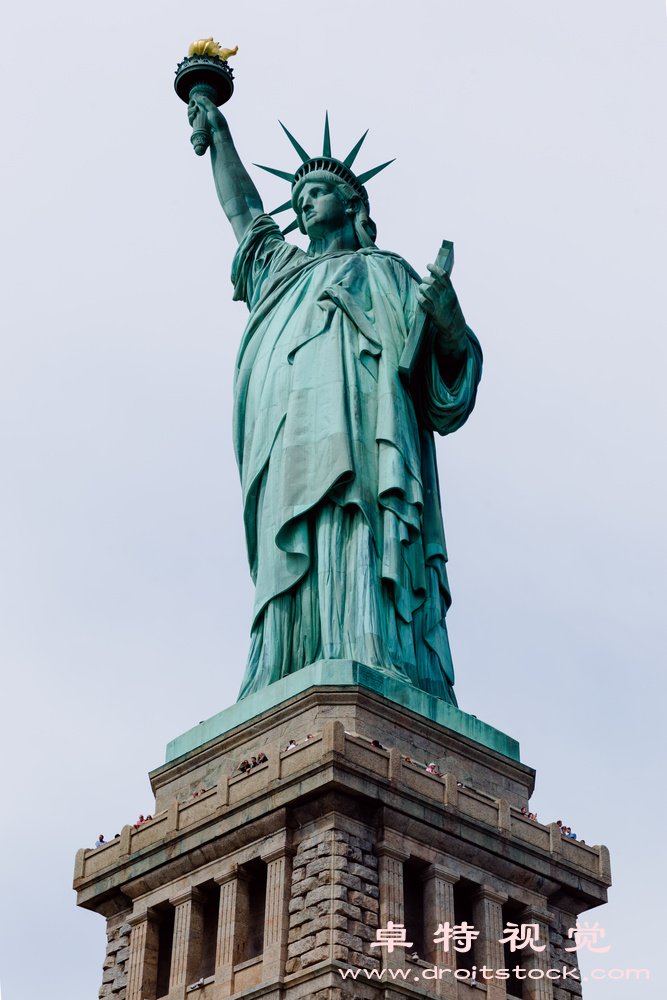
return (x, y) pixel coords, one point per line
(274, 883)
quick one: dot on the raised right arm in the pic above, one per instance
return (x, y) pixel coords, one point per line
(237, 194)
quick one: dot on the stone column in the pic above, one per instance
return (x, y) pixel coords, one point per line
(144, 941)
(232, 928)
(487, 914)
(188, 933)
(276, 919)
(536, 986)
(439, 909)
(392, 905)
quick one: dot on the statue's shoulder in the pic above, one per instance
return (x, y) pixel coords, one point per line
(262, 251)
(262, 229)
(393, 261)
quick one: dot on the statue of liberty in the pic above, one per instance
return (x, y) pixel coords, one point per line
(336, 453)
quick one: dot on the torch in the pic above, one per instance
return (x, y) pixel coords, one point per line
(204, 72)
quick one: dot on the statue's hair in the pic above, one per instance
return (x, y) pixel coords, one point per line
(364, 227)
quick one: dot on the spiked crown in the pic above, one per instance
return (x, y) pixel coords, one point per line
(324, 167)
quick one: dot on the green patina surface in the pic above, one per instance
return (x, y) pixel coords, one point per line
(335, 673)
(334, 444)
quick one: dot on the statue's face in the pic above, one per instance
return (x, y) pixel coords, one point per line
(322, 211)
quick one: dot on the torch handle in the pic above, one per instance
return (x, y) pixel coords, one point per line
(201, 136)
(201, 133)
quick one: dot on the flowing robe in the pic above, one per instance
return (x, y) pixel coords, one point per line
(340, 489)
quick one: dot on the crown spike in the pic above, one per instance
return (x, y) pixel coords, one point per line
(279, 173)
(300, 150)
(292, 226)
(281, 208)
(362, 178)
(326, 146)
(352, 155)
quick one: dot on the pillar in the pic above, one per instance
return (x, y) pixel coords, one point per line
(392, 905)
(188, 933)
(536, 987)
(276, 919)
(144, 942)
(439, 909)
(233, 919)
(487, 911)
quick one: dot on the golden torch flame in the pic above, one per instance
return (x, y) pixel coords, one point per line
(207, 47)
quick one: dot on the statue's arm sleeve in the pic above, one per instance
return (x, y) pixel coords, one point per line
(261, 253)
(443, 406)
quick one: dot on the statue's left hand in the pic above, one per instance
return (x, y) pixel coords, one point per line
(438, 300)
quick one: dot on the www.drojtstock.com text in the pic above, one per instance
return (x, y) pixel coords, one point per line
(483, 973)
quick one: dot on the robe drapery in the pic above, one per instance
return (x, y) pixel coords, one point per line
(340, 488)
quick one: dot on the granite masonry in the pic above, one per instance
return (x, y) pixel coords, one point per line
(272, 884)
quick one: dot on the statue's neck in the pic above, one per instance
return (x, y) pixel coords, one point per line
(340, 239)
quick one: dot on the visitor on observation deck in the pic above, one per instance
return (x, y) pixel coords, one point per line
(100, 840)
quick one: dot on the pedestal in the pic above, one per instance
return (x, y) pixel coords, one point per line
(275, 883)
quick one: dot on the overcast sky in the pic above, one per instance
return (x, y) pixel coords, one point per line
(530, 133)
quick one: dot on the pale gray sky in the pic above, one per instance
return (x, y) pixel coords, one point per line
(530, 133)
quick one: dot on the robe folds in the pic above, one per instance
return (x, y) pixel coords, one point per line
(340, 489)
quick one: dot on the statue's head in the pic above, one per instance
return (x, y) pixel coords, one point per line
(338, 175)
(322, 199)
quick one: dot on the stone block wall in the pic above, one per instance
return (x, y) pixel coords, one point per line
(334, 905)
(115, 967)
(568, 989)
